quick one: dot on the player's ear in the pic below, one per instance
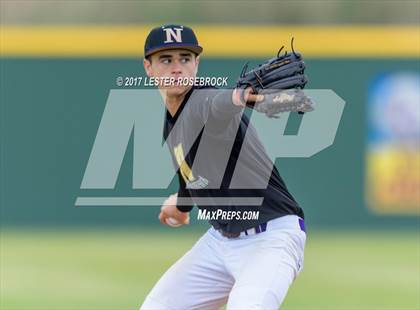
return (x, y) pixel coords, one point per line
(197, 62)
(147, 64)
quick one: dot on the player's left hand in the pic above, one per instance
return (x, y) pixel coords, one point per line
(170, 215)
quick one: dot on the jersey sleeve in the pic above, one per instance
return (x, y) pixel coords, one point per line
(215, 109)
(222, 107)
(183, 194)
(214, 102)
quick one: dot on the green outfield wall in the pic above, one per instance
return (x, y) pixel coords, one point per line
(50, 113)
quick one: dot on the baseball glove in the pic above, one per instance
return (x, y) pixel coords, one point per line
(291, 100)
(280, 80)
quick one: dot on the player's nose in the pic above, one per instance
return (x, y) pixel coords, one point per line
(176, 68)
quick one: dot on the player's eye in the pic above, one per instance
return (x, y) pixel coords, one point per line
(166, 61)
(185, 60)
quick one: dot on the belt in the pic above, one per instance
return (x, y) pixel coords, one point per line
(252, 231)
(256, 230)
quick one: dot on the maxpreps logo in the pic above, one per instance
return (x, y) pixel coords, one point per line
(137, 115)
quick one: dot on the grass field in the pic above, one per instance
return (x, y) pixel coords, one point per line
(114, 269)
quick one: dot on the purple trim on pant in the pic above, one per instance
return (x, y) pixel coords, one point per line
(263, 227)
(257, 229)
(302, 225)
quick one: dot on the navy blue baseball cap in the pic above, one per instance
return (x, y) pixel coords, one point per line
(170, 37)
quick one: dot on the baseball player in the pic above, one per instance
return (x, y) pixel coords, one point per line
(246, 263)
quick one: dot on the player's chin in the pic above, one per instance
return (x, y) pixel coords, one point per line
(176, 90)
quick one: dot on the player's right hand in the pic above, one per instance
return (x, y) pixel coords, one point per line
(170, 215)
(241, 97)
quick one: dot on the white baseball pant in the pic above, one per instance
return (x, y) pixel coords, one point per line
(248, 273)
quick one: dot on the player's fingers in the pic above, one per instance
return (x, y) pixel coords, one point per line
(162, 218)
(259, 98)
(255, 98)
(166, 204)
(166, 209)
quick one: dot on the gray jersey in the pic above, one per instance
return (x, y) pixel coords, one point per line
(217, 155)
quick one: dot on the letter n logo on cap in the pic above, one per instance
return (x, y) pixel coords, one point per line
(173, 34)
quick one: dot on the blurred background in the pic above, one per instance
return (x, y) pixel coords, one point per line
(59, 60)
